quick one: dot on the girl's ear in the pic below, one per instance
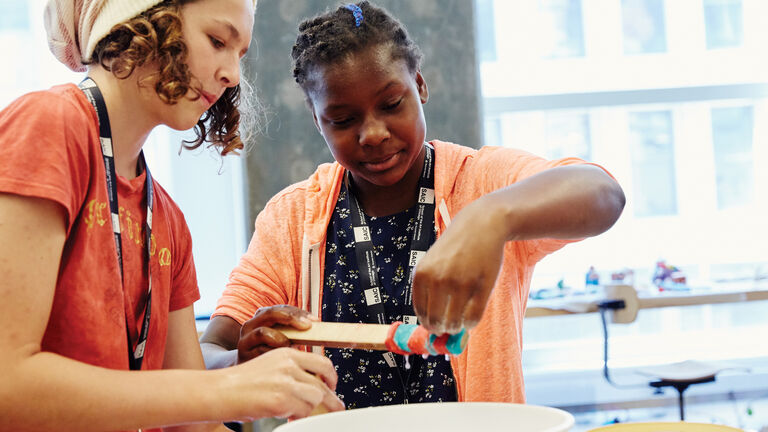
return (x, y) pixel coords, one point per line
(314, 120)
(421, 84)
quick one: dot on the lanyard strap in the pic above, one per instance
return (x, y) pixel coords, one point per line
(92, 92)
(420, 241)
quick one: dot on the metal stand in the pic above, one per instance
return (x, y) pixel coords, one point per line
(681, 387)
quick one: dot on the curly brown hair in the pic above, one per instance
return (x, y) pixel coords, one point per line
(155, 36)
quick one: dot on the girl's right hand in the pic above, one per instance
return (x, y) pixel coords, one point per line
(285, 383)
(257, 335)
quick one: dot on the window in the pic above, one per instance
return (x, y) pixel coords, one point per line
(567, 134)
(22, 33)
(724, 23)
(678, 131)
(681, 126)
(492, 131)
(561, 29)
(732, 140)
(14, 15)
(643, 22)
(211, 194)
(653, 163)
(486, 32)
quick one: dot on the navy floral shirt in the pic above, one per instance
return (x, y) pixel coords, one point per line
(365, 377)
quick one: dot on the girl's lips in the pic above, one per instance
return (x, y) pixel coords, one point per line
(382, 164)
(208, 98)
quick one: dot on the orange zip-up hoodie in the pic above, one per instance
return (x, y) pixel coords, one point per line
(284, 263)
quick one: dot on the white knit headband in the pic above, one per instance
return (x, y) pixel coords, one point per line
(74, 27)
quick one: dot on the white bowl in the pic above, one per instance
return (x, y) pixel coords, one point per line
(442, 417)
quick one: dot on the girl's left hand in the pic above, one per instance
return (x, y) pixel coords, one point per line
(453, 281)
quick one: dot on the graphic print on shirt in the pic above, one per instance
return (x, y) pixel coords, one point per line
(131, 226)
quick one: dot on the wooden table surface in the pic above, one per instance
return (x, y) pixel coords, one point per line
(719, 293)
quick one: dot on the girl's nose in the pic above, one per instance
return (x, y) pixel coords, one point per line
(229, 73)
(373, 131)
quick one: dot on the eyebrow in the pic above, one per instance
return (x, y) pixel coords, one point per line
(386, 87)
(232, 31)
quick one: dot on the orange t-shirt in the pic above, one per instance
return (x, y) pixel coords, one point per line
(49, 148)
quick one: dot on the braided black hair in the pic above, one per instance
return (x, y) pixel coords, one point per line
(329, 37)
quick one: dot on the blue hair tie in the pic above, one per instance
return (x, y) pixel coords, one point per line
(357, 12)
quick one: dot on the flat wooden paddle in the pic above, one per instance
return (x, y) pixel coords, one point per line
(339, 335)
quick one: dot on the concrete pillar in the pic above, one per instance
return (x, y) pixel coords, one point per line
(290, 147)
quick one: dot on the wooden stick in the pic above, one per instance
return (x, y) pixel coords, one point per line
(339, 335)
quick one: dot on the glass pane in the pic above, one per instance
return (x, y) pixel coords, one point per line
(567, 135)
(724, 23)
(644, 30)
(493, 132)
(486, 30)
(14, 15)
(562, 34)
(732, 141)
(653, 163)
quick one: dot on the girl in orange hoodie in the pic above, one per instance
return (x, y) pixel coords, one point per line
(342, 245)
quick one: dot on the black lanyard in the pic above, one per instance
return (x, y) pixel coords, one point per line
(91, 90)
(420, 242)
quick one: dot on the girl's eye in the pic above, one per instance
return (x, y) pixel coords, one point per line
(217, 43)
(341, 122)
(393, 105)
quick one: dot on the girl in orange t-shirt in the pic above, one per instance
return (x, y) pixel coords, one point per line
(98, 279)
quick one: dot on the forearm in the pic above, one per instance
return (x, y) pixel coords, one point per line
(565, 202)
(45, 391)
(219, 342)
(217, 357)
(182, 351)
